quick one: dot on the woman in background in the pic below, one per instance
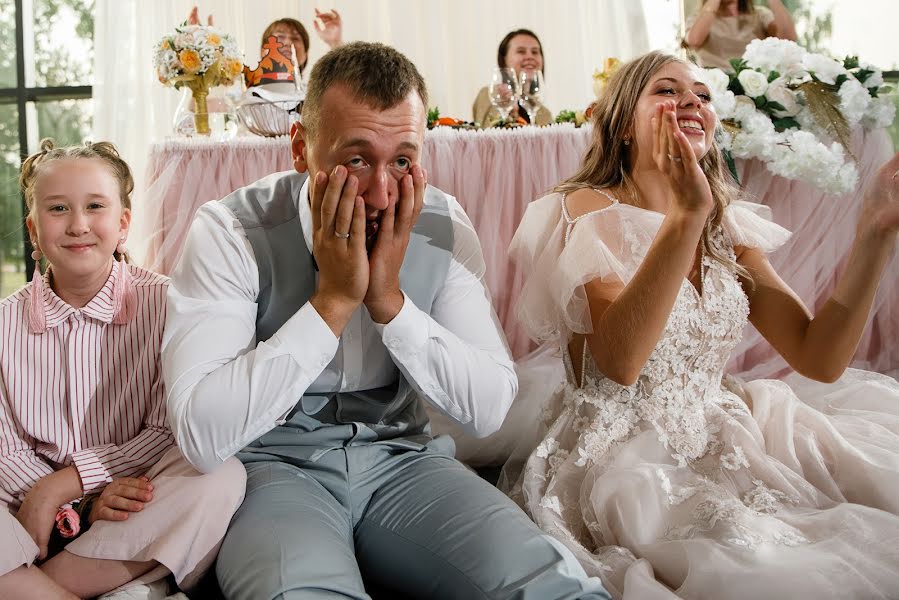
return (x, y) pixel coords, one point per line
(520, 50)
(722, 29)
(328, 25)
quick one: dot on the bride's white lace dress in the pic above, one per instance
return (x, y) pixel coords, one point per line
(795, 497)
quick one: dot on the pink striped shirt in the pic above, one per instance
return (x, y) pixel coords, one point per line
(85, 391)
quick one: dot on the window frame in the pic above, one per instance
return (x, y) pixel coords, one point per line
(21, 95)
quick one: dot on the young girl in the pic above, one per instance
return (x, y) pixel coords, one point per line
(663, 476)
(82, 405)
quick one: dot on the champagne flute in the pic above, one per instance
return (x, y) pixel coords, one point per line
(531, 92)
(504, 91)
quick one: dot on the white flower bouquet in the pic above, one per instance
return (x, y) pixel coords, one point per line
(197, 50)
(198, 57)
(795, 111)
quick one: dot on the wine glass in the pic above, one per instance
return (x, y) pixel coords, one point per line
(504, 91)
(531, 84)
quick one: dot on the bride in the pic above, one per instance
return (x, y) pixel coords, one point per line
(665, 477)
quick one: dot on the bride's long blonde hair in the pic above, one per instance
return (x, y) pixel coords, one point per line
(607, 163)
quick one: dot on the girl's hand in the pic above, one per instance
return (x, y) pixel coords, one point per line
(38, 516)
(676, 159)
(121, 497)
(880, 212)
(38, 511)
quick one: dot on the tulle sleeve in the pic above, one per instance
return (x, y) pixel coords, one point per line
(749, 224)
(558, 255)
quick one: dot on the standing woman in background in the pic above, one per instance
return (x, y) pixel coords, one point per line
(722, 29)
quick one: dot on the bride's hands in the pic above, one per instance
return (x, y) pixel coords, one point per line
(676, 159)
(880, 211)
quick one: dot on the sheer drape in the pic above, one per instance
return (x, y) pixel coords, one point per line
(453, 43)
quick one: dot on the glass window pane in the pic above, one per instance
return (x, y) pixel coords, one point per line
(12, 263)
(68, 122)
(63, 42)
(7, 44)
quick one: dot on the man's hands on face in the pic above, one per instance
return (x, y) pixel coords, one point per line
(384, 298)
(348, 276)
(337, 210)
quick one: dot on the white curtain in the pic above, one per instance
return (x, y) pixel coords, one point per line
(453, 43)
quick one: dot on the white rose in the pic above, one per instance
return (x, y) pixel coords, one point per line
(725, 103)
(716, 79)
(773, 54)
(824, 68)
(854, 101)
(780, 93)
(875, 79)
(881, 113)
(753, 82)
(744, 108)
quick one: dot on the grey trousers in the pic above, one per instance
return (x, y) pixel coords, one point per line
(414, 522)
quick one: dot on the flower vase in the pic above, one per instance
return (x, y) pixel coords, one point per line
(192, 114)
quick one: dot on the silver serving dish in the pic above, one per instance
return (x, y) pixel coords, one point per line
(267, 118)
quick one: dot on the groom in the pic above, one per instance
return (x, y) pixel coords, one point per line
(309, 320)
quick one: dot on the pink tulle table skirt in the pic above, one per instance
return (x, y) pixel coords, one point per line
(494, 174)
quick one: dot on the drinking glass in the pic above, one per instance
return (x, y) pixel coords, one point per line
(531, 84)
(504, 91)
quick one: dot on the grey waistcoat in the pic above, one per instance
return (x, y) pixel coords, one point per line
(267, 210)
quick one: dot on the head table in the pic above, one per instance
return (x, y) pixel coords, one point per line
(494, 174)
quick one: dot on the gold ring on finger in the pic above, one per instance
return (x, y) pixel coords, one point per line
(674, 158)
(343, 236)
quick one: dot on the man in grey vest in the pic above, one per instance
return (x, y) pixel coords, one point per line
(308, 322)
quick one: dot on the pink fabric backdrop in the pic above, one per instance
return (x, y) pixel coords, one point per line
(495, 173)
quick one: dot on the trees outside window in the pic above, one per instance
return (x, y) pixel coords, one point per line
(46, 70)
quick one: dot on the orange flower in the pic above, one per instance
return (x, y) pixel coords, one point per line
(165, 45)
(214, 39)
(233, 68)
(190, 60)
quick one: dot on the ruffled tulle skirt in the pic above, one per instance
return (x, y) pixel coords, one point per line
(797, 499)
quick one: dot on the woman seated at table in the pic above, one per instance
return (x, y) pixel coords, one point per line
(328, 26)
(722, 29)
(520, 50)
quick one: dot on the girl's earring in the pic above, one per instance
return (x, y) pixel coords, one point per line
(627, 141)
(36, 315)
(124, 299)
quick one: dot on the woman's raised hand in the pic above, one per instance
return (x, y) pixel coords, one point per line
(329, 27)
(194, 17)
(676, 159)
